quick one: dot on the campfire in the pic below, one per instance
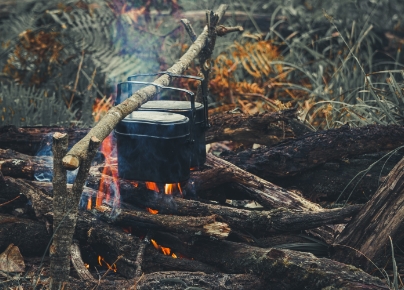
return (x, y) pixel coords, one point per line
(157, 212)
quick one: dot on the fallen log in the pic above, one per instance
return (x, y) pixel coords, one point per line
(291, 269)
(325, 182)
(257, 222)
(295, 156)
(365, 241)
(36, 140)
(266, 129)
(31, 236)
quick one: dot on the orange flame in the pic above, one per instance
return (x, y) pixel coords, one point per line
(166, 251)
(86, 265)
(111, 268)
(168, 188)
(152, 211)
(152, 186)
(101, 107)
(156, 246)
(89, 203)
(106, 186)
(134, 183)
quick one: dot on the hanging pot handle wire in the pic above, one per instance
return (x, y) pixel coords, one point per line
(191, 96)
(204, 98)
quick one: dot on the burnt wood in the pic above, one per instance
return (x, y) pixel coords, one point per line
(311, 150)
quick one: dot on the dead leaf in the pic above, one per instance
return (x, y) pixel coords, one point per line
(11, 260)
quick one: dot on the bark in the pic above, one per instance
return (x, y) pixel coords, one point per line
(329, 182)
(78, 153)
(281, 269)
(259, 223)
(61, 245)
(205, 226)
(30, 236)
(295, 156)
(264, 192)
(366, 237)
(188, 216)
(78, 265)
(323, 183)
(36, 140)
(266, 129)
(189, 280)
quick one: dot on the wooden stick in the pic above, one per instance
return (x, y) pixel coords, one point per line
(190, 30)
(78, 153)
(60, 248)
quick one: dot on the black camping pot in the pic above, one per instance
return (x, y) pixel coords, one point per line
(198, 115)
(154, 146)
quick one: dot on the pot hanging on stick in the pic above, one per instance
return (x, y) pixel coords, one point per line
(154, 145)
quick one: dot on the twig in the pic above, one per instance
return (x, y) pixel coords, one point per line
(7, 202)
(189, 29)
(222, 30)
(139, 257)
(77, 79)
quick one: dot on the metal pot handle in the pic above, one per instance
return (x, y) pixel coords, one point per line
(191, 95)
(205, 101)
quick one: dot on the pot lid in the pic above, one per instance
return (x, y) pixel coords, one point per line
(154, 124)
(170, 105)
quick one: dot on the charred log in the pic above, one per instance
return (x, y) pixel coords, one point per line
(30, 140)
(311, 150)
(266, 129)
(291, 269)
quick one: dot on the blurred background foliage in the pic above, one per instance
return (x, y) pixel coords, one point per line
(340, 62)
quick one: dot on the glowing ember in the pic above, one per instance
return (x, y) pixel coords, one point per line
(109, 184)
(156, 246)
(179, 188)
(152, 211)
(86, 265)
(174, 256)
(152, 186)
(99, 260)
(134, 183)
